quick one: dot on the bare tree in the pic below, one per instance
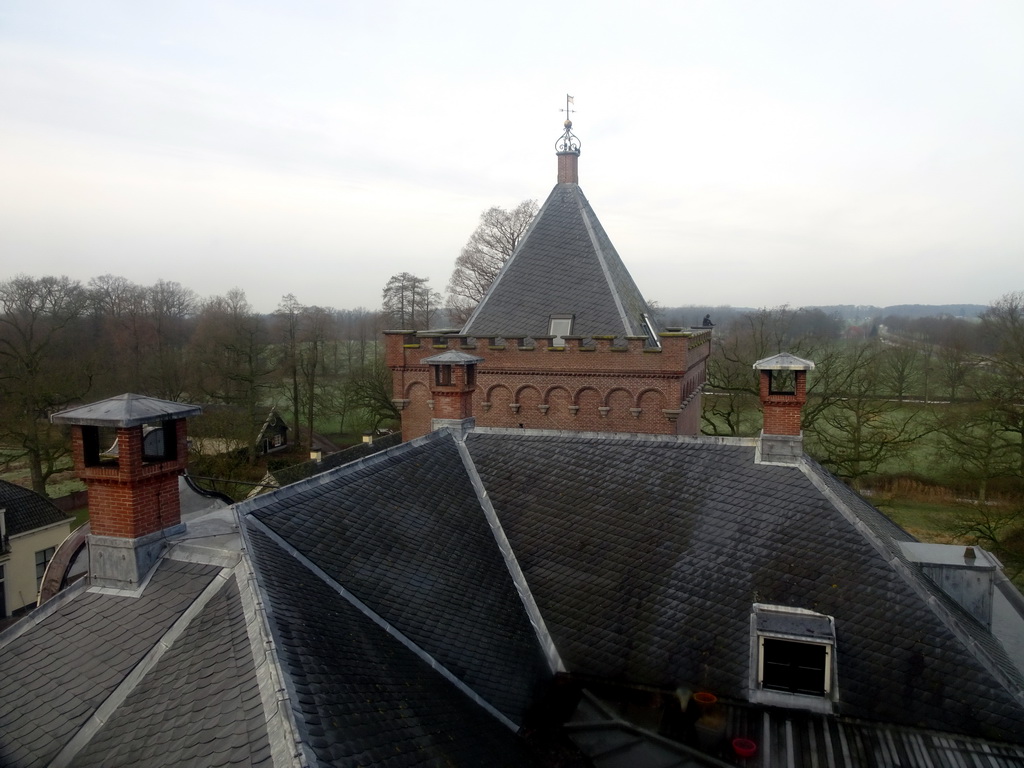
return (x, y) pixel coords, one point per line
(861, 429)
(42, 369)
(287, 317)
(233, 360)
(1003, 323)
(492, 243)
(409, 303)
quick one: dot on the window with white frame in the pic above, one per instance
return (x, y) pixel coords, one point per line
(560, 326)
(793, 657)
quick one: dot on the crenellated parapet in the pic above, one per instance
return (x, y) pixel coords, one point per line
(602, 383)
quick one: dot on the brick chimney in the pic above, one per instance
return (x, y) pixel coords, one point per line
(452, 383)
(783, 389)
(129, 450)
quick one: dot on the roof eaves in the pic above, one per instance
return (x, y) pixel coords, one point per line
(249, 505)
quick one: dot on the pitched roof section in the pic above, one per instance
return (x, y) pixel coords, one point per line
(73, 658)
(26, 510)
(564, 265)
(200, 705)
(403, 532)
(646, 556)
(361, 696)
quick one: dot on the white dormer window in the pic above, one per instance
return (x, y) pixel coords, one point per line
(792, 658)
(560, 326)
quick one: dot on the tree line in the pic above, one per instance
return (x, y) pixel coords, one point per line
(63, 342)
(946, 391)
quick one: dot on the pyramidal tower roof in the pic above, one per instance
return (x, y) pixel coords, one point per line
(565, 267)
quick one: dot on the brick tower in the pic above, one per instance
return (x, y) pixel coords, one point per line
(564, 338)
(129, 450)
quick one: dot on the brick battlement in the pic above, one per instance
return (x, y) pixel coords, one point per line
(594, 384)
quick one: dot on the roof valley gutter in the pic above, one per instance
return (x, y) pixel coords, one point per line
(511, 562)
(379, 620)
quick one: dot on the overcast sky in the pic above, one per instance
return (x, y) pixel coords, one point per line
(751, 153)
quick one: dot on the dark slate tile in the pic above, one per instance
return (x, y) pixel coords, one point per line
(79, 669)
(189, 705)
(26, 510)
(654, 578)
(406, 535)
(566, 264)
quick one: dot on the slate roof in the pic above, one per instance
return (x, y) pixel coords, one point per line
(565, 264)
(200, 705)
(26, 510)
(403, 532)
(411, 608)
(361, 696)
(645, 556)
(305, 469)
(72, 659)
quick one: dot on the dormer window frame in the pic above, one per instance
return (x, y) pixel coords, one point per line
(803, 639)
(560, 326)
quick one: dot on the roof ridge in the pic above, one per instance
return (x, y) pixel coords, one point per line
(544, 637)
(585, 210)
(564, 266)
(246, 506)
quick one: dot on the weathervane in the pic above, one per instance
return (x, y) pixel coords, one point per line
(568, 142)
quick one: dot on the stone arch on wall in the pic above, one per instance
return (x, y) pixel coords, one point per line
(558, 399)
(619, 399)
(417, 392)
(587, 393)
(588, 400)
(529, 399)
(652, 399)
(498, 414)
(500, 391)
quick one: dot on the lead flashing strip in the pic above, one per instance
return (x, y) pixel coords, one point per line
(386, 626)
(286, 748)
(612, 287)
(544, 637)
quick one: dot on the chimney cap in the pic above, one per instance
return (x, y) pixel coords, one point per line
(128, 410)
(784, 362)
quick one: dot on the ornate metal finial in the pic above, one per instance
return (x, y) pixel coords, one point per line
(568, 142)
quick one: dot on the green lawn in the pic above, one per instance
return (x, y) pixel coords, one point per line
(927, 520)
